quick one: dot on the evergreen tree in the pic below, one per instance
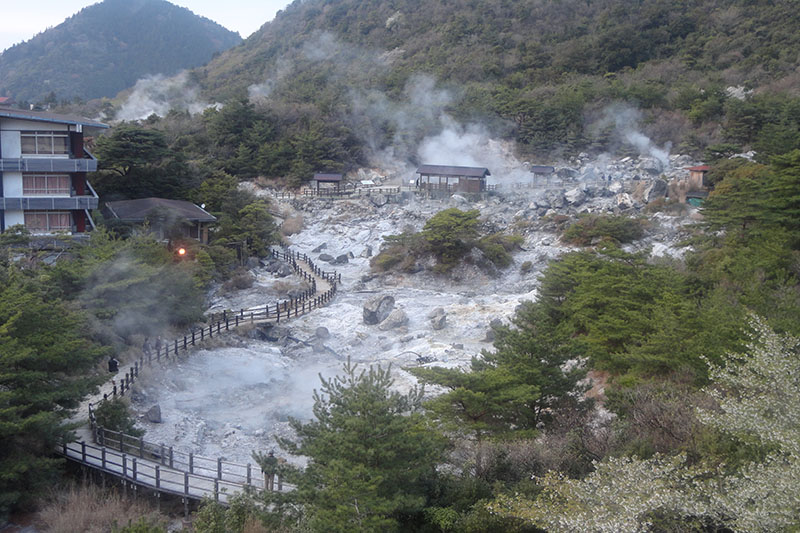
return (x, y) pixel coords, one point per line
(44, 363)
(371, 455)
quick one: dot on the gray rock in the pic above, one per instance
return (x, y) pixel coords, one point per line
(490, 335)
(322, 333)
(457, 198)
(657, 189)
(396, 319)
(438, 318)
(377, 308)
(272, 332)
(555, 199)
(341, 260)
(575, 197)
(378, 200)
(624, 201)
(326, 257)
(154, 414)
(367, 251)
(319, 248)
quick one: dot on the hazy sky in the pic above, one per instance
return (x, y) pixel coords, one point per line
(19, 20)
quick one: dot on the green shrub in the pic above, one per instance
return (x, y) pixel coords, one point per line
(114, 415)
(592, 228)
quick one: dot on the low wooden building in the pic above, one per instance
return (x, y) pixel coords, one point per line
(330, 182)
(165, 217)
(697, 178)
(452, 178)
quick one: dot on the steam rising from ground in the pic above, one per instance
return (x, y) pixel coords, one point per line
(625, 120)
(159, 94)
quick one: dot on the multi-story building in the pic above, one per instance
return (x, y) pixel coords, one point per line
(43, 167)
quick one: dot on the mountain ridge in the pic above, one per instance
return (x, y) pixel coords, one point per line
(106, 47)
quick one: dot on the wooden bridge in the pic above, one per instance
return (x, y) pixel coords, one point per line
(154, 467)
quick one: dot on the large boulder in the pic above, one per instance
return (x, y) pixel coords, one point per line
(438, 318)
(377, 308)
(154, 414)
(328, 258)
(396, 319)
(575, 197)
(341, 259)
(657, 189)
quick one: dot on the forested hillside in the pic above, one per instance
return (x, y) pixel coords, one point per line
(542, 73)
(106, 47)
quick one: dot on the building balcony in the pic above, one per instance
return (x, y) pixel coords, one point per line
(51, 203)
(49, 164)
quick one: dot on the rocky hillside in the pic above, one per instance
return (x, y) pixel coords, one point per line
(106, 47)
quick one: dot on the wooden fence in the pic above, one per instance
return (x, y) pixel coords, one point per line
(163, 468)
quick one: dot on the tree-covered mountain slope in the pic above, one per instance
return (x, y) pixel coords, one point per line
(539, 72)
(106, 47)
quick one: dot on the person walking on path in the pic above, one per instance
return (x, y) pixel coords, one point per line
(269, 466)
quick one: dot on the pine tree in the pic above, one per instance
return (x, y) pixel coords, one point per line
(44, 359)
(371, 455)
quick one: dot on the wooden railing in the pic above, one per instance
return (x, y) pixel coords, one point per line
(164, 468)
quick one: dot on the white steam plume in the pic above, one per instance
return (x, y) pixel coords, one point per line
(625, 120)
(159, 94)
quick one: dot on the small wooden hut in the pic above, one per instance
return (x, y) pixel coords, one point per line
(452, 178)
(328, 182)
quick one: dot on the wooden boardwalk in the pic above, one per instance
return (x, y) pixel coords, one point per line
(162, 469)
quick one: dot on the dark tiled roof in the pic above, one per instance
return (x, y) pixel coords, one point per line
(137, 210)
(44, 116)
(701, 168)
(542, 169)
(327, 177)
(446, 170)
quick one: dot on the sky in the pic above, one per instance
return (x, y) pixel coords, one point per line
(19, 21)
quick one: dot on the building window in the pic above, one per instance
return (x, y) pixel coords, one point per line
(45, 142)
(46, 184)
(48, 221)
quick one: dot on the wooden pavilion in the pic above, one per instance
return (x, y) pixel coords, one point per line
(452, 178)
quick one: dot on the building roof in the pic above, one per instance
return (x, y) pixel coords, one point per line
(327, 177)
(6, 100)
(43, 116)
(701, 168)
(452, 171)
(137, 210)
(542, 169)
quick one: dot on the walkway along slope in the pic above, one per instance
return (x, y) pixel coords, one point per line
(152, 466)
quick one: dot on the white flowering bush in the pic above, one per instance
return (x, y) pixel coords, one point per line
(758, 397)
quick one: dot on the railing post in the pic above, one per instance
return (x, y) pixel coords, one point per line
(193, 337)
(237, 321)
(202, 333)
(227, 325)
(185, 343)
(211, 331)
(219, 467)
(121, 442)
(83, 451)
(133, 468)
(216, 490)
(176, 347)
(141, 447)
(171, 457)
(186, 484)
(249, 475)
(280, 482)
(103, 457)
(124, 466)
(158, 477)
(101, 436)
(161, 453)
(191, 463)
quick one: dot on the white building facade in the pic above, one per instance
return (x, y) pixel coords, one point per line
(43, 168)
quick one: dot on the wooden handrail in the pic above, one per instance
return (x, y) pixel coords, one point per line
(125, 447)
